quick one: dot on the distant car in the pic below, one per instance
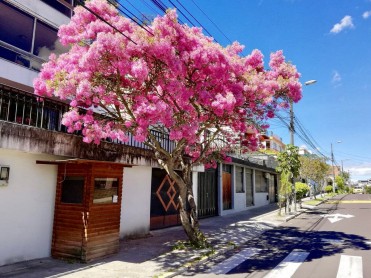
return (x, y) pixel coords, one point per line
(358, 190)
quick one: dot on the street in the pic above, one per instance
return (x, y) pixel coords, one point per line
(331, 240)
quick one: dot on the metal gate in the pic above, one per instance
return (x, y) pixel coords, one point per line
(207, 194)
(164, 200)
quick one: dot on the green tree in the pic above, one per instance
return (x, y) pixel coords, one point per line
(346, 176)
(313, 168)
(340, 183)
(288, 162)
(285, 190)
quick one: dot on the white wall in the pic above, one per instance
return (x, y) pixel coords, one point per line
(27, 207)
(195, 185)
(16, 73)
(260, 199)
(136, 201)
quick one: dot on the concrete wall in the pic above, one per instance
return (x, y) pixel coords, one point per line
(27, 207)
(16, 73)
(38, 140)
(136, 201)
(261, 199)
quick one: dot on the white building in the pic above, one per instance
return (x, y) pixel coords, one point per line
(31, 133)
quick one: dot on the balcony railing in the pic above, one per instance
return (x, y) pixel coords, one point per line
(23, 108)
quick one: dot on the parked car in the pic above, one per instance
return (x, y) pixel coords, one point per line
(358, 190)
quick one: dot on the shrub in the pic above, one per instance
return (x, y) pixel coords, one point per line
(328, 188)
(301, 190)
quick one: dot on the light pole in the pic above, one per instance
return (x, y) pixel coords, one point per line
(333, 169)
(292, 131)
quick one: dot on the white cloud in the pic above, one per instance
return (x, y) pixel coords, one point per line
(336, 78)
(359, 172)
(346, 22)
(366, 15)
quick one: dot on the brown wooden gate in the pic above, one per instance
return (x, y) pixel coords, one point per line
(207, 194)
(164, 201)
(87, 209)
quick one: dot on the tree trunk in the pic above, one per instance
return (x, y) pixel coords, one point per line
(188, 209)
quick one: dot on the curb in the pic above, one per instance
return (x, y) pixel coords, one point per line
(204, 259)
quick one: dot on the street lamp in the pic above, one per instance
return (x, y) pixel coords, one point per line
(333, 169)
(292, 130)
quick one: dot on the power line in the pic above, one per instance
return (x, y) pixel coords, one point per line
(105, 21)
(194, 18)
(138, 11)
(127, 15)
(149, 6)
(216, 26)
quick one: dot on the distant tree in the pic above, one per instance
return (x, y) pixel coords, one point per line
(345, 176)
(313, 168)
(340, 183)
(167, 79)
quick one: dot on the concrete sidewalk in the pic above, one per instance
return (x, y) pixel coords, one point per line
(153, 256)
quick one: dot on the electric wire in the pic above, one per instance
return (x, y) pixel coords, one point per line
(216, 26)
(203, 27)
(105, 21)
(139, 11)
(131, 18)
(149, 6)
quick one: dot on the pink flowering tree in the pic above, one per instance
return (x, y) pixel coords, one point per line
(173, 79)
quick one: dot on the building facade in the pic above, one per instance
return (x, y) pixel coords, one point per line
(37, 180)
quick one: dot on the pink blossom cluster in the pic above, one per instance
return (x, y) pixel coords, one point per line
(173, 76)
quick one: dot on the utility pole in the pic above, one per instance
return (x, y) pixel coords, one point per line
(292, 130)
(333, 169)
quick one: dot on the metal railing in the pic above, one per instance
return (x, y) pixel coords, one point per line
(24, 108)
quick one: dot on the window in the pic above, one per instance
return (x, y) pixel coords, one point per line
(73, 190)
(105, 190)
(24, 39)
(261, 184)
(239, 180)
(16, 27)
(46, 42)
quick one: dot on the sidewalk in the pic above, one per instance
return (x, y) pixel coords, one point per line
(153, 256)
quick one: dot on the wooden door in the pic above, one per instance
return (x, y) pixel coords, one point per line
(207, 196)
(227, 187)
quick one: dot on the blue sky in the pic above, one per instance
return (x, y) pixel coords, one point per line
(328, 40)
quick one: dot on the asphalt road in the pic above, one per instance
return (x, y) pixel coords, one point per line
(332, 240)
